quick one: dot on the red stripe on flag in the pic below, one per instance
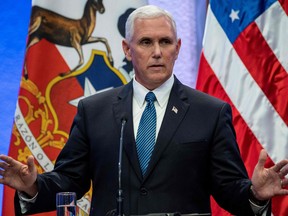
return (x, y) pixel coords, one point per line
(279, 206)
(284, 5)
(248, 144)
(264, 67)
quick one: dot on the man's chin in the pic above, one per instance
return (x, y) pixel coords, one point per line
(158, 79)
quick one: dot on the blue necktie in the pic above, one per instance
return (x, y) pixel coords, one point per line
(146, 134)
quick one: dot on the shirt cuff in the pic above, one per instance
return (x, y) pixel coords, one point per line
(257, 209)
(25, 201)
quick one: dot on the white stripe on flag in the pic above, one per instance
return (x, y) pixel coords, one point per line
(273, 24)
(256, 110)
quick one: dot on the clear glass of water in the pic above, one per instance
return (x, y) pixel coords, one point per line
(66, 203)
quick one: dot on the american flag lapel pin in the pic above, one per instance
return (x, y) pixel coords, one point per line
(174, 109)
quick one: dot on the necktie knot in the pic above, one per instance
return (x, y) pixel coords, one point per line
(150, 97)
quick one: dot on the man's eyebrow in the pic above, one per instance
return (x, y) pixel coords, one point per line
(145, 38)
(166, 38)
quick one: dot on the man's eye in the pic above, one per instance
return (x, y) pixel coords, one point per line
(165, 42)
(145, 42)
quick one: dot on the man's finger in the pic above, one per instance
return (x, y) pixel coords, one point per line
(3, 165)
(282, 167)
(262, 158)
(30, 163)
(6, 159)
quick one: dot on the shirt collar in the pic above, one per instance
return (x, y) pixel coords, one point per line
(162, 92)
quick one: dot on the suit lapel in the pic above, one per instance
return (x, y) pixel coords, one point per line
(174, 114)
(121, 106)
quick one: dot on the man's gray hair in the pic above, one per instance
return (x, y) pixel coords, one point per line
(146, 12)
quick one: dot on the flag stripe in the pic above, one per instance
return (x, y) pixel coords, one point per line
(245, 95)
(275, 29)
(209, 83)
(248, 144)
(264, 68)
(284, 5)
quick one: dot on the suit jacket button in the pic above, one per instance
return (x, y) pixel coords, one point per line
(143, 191)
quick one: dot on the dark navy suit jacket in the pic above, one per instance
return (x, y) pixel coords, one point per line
(195, 156)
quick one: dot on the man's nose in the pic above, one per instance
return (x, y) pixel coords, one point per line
(157, 52)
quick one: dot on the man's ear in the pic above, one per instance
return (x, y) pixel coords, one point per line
(126, 49)
(178, 46)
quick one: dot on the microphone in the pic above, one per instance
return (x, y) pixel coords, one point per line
(119, 210)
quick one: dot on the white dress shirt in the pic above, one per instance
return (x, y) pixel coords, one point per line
(162, 96)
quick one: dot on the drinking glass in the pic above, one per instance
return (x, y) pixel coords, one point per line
(66, 203)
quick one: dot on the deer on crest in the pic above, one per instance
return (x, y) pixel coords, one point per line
(57, 29)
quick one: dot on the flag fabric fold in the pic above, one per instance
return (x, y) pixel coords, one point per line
(244, 62)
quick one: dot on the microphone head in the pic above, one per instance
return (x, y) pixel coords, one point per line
(124, 117)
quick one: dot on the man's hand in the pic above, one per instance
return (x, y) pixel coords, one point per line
(19, 176)
(267, 183)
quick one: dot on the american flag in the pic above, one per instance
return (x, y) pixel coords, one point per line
(245, 62)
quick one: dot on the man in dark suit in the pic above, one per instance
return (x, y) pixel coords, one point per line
(194, 153)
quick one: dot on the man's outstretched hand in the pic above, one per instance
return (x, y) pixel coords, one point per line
(269, 182)
(19, 176)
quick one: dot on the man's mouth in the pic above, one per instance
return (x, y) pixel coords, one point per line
(156, 66)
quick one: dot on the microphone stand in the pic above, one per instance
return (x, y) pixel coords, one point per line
(119, 210)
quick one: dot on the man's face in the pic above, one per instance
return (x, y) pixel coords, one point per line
(153, 50)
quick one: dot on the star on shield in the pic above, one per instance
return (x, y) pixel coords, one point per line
(88, 91)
